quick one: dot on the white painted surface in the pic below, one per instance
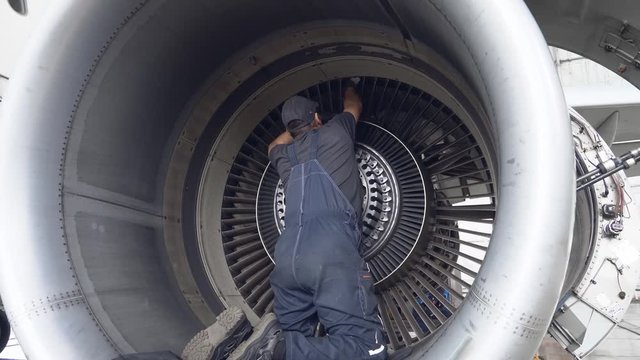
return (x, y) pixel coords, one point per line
(634, 183)
(588, 84)
(16, 30)
(621, 343)
(574, 70)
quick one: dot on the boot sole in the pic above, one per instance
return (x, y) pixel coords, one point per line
(217, 341)
(254, 341)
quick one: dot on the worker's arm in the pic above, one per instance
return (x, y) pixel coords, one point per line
(283, 139)
(352, 102)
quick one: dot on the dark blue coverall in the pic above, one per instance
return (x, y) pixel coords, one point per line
(319, 274)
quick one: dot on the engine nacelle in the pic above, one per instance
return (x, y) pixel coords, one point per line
(140, 204)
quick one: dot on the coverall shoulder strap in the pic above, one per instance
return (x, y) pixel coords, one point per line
(291, 152)
(313, 150)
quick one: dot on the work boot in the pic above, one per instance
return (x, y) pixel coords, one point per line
(266, 342)
(218, 340)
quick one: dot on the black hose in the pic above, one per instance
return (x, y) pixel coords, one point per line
(618, 161)
(621, 164)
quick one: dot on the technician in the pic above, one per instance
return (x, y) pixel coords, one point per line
(319, 275)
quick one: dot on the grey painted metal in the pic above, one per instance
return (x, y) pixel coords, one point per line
(627, 136)
(609, 127)
(521, 278)
(583, 26)
(50, 300)
(92, 278)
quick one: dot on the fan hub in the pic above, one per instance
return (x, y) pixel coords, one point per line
(380, 156)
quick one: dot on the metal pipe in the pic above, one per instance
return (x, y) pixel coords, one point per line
(605, 170)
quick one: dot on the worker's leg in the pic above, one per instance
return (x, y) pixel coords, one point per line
(343, 298)
(347, 308)
(292, 304)
(294, 307)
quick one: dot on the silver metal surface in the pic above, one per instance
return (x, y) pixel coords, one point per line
(50, 300)
(517, 291)
(92, 277)
(584, 27)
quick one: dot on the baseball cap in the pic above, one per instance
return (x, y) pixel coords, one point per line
(298, 107)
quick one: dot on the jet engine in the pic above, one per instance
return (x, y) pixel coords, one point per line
(139, 201)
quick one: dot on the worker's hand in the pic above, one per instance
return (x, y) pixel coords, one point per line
(352, 102)
(283, 139)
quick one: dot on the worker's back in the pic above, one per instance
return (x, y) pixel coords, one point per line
(336, 154)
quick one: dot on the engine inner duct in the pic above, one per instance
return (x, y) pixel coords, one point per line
(427, 182)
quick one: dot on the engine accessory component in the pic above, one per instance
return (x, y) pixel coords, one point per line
(609, 167)
(614, 227)
(604, 254)
(610, 211)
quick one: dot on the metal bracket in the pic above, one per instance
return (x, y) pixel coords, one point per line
(624, 44)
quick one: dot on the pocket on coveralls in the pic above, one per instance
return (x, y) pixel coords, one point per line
(366, 294)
